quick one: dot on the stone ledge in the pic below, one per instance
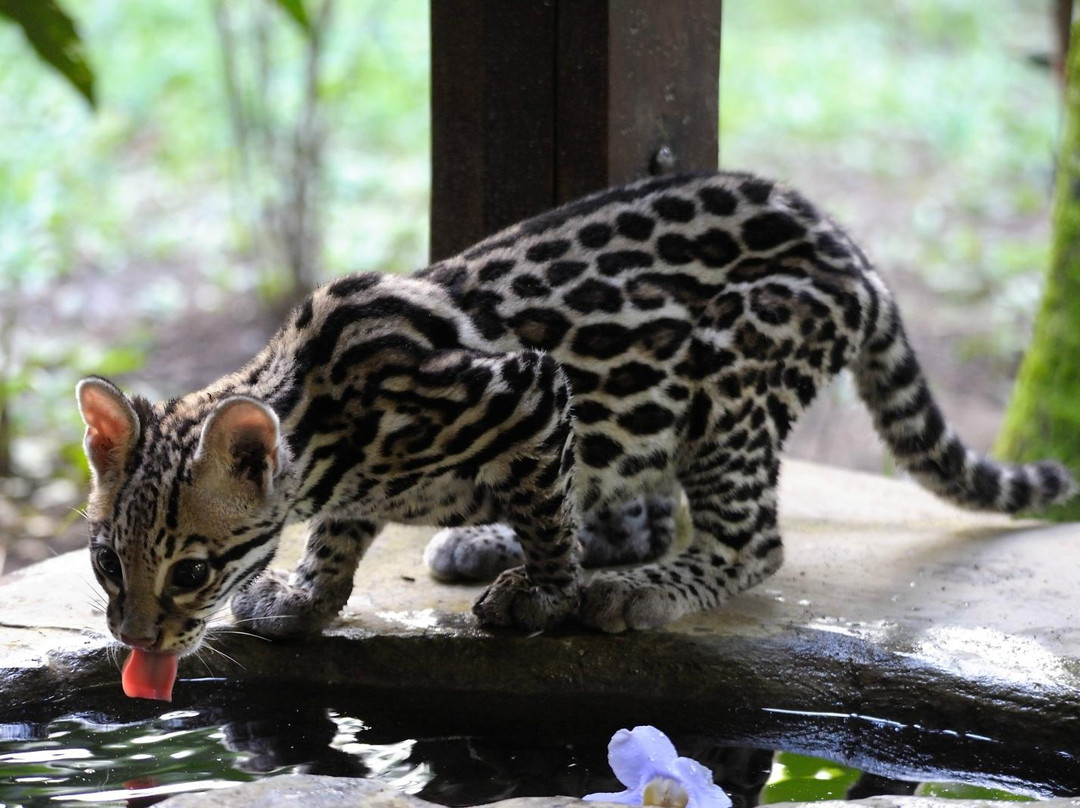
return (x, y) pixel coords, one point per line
(314, 791)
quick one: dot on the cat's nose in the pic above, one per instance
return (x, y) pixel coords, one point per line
(142, 643)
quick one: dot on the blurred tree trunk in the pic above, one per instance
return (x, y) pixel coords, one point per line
(1043, 419)
(7, 370)
(280, 147)
(1061, 12)
(6, 467)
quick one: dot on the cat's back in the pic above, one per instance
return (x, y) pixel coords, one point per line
(635, 270)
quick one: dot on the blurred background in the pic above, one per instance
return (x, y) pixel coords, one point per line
(241, 151)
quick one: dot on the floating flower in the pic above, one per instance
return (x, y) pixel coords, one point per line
(646, 762)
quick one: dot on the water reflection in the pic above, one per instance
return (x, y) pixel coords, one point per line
(129, 754)
(299, 740)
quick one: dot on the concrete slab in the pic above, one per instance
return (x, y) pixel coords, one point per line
(893, 612)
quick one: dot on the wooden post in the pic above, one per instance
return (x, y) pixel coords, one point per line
(492, 130)
(537, 102)
(638, 91)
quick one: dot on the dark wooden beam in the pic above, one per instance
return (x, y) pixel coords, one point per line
(536, 102)
(637, 93)
(492, 108)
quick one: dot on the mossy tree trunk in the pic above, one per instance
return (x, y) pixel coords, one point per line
(1043, 420)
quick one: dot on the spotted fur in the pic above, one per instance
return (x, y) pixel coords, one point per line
(545, 396)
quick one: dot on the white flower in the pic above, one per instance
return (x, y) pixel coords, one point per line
(646, 763)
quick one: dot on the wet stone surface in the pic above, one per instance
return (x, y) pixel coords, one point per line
(337, 792)
(898, 627)
(334, 792)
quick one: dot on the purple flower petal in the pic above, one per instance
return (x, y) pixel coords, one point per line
(638, 755)
(698, 782)
(644, 754)
(632, 796)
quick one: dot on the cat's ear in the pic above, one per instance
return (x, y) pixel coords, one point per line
(112, 426)
(241, 443)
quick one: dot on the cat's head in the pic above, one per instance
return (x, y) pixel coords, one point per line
(185, 507)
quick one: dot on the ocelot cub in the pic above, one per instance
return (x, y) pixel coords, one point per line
(547, 396)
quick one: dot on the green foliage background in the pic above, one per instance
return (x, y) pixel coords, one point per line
(940, 100)
(1043, 419)
(139, 196)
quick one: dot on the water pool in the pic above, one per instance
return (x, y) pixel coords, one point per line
(458, 749)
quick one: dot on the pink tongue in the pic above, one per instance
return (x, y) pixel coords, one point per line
(149, 676)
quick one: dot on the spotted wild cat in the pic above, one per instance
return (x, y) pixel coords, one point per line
(545, 396)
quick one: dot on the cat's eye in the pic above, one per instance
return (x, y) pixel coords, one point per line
(190, 573)
(108, 564)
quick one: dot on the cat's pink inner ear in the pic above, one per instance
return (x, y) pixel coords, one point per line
(244, 430)
(109, 425)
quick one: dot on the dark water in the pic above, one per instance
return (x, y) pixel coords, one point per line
(454, 751)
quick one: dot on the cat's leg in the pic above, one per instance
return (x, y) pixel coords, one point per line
(735, 543)
(283, 605)
(627, 533)
(532, 480)
(641, 529)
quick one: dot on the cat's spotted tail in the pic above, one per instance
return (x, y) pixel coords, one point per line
(893, 386)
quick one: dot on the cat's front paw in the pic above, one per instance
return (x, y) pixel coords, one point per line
(614, 604)
(271, 607)
(513, 601)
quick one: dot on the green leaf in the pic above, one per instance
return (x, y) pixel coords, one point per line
(801, 778)
(963, 791)
(296, 10)
(52, 34)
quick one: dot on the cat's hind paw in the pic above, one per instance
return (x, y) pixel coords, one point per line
(513, 601)
(472, 553)
(272, 607)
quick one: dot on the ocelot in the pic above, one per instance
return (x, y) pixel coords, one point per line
(547, 397)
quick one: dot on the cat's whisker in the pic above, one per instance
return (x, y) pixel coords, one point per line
(222, 654)
(98, 601)
(95, 597)
(264, 617)
(222, 631)
(116, 656)
(199, 657)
